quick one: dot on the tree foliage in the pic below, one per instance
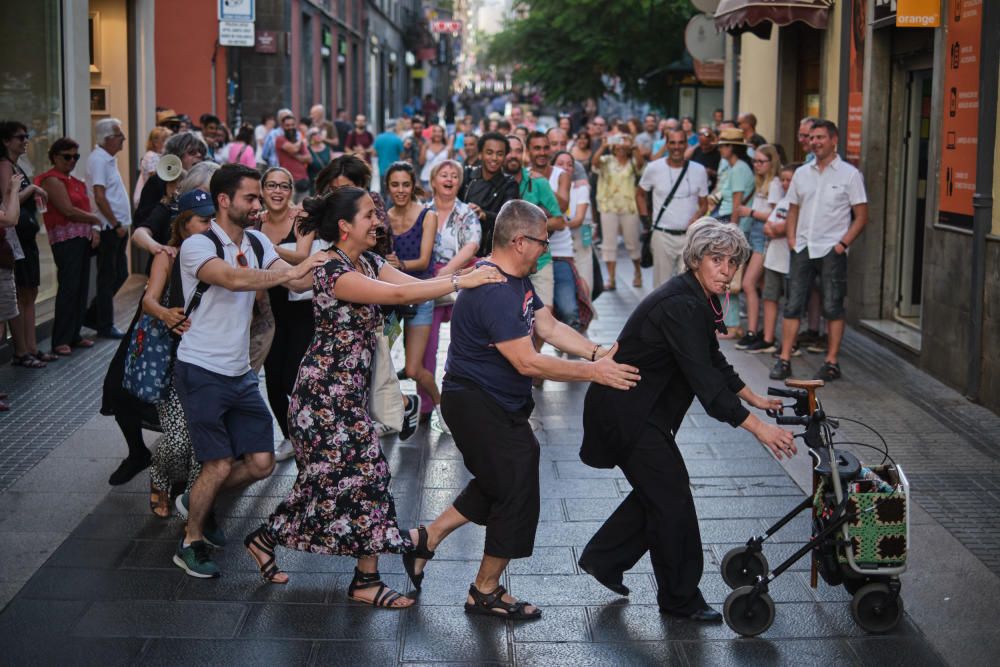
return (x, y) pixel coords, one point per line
(576, 49)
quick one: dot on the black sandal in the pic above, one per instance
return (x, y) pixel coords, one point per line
(492, 604)
(384, 596)
(265, 543)
(420, 550)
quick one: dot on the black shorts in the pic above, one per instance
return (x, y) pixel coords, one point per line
(500, 450)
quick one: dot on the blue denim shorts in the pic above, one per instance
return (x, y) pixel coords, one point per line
(756, 237)
(424, 316)
(226, 416)
(832, 272)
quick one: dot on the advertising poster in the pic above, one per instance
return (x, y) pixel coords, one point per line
(961, 113)
(855, 82)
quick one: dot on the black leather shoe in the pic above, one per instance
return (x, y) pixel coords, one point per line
(706, 615)
(614, 586)
(129, 468)
(113, 333)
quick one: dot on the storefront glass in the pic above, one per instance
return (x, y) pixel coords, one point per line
(31, 92)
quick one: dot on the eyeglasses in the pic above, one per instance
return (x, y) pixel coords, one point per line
(241, 259)
(70, 157)
(22, 137)
(194, 151)
(761, 160)
(542, 242)
(272, 186)
(117, 136)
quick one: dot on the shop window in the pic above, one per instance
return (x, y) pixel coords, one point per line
(31, 92)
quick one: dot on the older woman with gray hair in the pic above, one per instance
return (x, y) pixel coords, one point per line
(191, 150)
(671, 338)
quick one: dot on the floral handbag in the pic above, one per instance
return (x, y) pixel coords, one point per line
(148, 360)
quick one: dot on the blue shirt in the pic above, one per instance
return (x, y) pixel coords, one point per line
(388, 147)
(481, 318)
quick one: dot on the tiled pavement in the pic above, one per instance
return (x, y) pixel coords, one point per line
(110, 595)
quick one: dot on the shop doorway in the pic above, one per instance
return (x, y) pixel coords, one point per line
(913, 203)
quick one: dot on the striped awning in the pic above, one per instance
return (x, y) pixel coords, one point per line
(757, 16)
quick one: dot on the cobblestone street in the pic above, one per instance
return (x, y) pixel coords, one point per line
(89, 578)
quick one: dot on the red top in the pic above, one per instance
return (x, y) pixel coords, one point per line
(59, 227)
(289, 162)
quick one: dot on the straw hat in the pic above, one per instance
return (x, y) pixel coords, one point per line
(732, 136)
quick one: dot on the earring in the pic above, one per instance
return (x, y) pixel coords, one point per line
(343, 236)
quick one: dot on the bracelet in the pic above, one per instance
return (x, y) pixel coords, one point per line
(593, 355)
(843, 243)
(454, 281)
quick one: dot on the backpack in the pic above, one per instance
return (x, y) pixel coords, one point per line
(176, 291)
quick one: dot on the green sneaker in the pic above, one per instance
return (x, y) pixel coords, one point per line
(211, 531)
(196, 560)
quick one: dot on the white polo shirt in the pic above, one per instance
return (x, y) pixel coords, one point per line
(659, 178)
(824, 200)
(102, 169)
(219, 337)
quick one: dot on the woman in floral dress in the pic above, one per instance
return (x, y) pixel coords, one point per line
(340, 503)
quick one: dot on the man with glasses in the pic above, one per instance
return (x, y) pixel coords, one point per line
(486, 400)
(805, 141)
(226, 415)
(113, 206)
(680, 196)
(706, 153)
(536, 190)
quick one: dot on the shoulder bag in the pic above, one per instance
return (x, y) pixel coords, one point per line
(646, 258)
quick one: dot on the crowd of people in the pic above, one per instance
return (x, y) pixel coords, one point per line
(270, 250)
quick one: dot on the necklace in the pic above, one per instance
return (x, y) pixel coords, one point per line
(720, 315)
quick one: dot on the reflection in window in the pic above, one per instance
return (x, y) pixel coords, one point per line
(31, 92)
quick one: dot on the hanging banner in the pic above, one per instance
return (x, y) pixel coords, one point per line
(855, 82)
(961, 113)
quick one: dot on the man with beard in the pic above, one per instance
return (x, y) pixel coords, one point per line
(486, 188)
(221, 271)
(536, 189)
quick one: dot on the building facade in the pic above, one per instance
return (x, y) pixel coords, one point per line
(914, 95)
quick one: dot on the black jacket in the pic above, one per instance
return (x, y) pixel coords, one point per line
(489, 195)
(670, 338)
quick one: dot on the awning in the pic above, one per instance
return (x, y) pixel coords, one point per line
(757, 16)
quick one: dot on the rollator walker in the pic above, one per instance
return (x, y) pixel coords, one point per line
(860, 524)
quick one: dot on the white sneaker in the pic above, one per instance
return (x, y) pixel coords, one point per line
(284, 450)
(439, 420)
(383, 429)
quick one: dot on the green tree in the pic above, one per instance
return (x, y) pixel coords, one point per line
(575, 49)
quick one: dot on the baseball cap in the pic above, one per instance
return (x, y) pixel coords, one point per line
(197, 201)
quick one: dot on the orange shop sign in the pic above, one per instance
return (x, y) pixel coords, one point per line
(918, 13)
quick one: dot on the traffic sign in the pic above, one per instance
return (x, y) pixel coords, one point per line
(237, 10)
(446, 26)
(236, 33)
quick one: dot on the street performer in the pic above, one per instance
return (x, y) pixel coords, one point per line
(671, 338)
(486, 400)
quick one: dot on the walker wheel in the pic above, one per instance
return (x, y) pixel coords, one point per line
(746, 616)
(741, 567)
(874, 608)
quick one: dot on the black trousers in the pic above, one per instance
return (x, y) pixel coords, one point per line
(500, 449)
(657, 516)
(293, 331)
(112, 270)
(72, 260)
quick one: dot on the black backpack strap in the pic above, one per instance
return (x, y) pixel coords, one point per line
(673, 191)
(258, 249)
(199, 290)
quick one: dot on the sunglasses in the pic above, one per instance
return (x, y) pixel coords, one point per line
(70, 157)
(241, 259)
(271, 186)
(542, 242)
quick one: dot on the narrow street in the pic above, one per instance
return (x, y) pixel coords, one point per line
(87, 578)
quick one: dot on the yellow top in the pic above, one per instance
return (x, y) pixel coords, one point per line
(616, 186)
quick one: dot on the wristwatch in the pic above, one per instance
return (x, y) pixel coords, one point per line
(454, 281)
